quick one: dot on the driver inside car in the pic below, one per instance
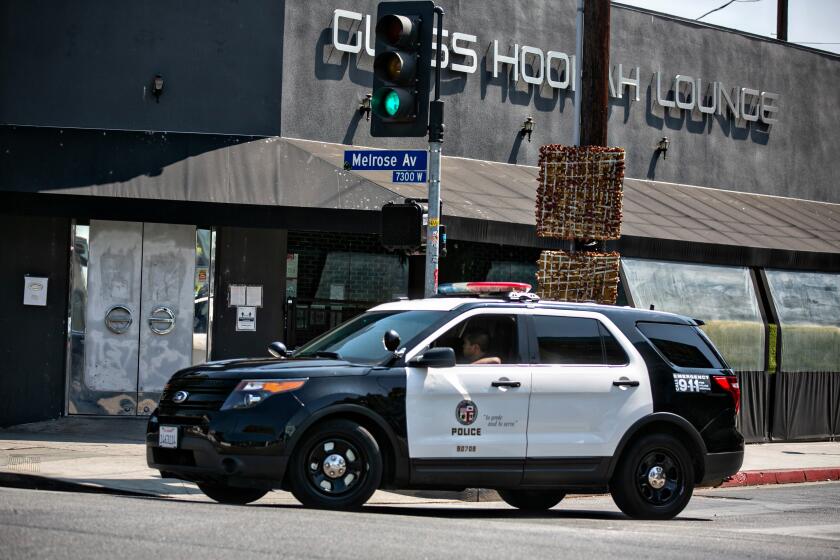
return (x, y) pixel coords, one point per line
(475, 348)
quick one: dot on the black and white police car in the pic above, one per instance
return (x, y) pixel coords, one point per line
(532, 398)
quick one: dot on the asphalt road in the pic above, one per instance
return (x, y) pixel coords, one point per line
(795, 521)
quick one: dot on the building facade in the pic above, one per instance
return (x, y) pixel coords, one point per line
(172, 188)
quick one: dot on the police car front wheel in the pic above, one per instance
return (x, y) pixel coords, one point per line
(337, 466)
(532, 500)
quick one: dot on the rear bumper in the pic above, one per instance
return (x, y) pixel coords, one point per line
(718, 466)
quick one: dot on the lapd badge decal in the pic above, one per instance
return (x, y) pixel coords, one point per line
(466, 412)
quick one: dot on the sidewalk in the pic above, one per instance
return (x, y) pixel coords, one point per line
(109, 454)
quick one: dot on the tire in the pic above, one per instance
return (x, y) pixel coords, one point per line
(654, 460)
(337, 466)
(232, 495)
(532, 500)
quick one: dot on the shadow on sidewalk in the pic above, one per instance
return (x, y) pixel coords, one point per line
(80, 429)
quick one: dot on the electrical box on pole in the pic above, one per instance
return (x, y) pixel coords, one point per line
(402, 69)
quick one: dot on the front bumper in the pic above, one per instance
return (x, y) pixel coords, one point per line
(245, 448)
(197, 459)
(719, 466)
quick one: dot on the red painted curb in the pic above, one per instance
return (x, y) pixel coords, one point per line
(788, 476)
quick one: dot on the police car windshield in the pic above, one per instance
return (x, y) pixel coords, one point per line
(360, 339)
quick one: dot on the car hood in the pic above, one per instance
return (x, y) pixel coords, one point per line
(273, 368)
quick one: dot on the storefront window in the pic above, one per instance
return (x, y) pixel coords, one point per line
(808, 305)
(722, 296)
(363, 277)
(510, 271)
(204, 251)
(78, 303)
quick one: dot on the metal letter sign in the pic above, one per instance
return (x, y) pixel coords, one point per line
(386, 160)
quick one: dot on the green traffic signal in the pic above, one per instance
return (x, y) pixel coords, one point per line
(402, 68)
(392, 103)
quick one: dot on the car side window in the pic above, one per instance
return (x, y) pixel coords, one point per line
(614, 354)
(576, 340)
(485, 339)
(568, 340)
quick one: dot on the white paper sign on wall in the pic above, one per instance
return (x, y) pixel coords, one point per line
(246, 318)
(35, 290)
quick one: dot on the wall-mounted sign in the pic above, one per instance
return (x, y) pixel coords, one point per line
(35, 290)
(240, 295)
(292, 265)
(246, 318)
(253, 296)
(537, 66)
(236, 295)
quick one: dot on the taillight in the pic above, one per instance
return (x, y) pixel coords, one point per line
(729, 383)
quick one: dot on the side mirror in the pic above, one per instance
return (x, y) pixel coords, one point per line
(435, 357)
(391, 340)
(277, 349)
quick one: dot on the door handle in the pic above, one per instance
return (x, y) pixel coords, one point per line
(167, 320)
(501, 383)
(625, 383)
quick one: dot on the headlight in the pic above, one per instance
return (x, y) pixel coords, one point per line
(252, 392)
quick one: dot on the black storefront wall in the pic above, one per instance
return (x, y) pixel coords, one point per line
(249, 257)
(754, 417)
(806, 405)
(34, 338)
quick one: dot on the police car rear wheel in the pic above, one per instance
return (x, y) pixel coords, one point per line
(231, 495)
(532, 500)
(655, 479)
(337, 466)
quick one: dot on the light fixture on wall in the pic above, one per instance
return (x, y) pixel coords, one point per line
(527, 127)
(662, 146)
(157, 87)
(364, 106)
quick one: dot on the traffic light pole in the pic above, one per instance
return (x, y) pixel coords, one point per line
(435, 146)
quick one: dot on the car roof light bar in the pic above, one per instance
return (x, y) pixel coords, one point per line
(513, 291)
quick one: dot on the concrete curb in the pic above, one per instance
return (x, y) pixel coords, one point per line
(38, 482)
(786, 476)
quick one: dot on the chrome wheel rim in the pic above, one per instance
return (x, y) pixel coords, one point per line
(335, 467)
(659, 478)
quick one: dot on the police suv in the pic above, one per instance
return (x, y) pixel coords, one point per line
(532, 398)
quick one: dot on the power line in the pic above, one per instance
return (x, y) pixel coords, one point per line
(722, 7)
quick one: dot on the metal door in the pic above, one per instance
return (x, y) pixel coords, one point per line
(138, 316)
(166, 308)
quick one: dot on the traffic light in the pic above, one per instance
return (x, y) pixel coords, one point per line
(402, 69)
(402, 225)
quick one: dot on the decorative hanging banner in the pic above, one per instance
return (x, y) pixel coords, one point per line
(578, 277)
(580, 192)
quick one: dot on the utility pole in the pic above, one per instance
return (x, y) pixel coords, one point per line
(435, 146)
(595, 67)
(782, 20)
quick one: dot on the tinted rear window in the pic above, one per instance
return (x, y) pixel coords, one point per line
(682, 345)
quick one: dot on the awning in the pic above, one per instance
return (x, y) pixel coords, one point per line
(482, 201)
(505, 193)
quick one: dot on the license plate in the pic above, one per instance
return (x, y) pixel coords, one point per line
(168, 437)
